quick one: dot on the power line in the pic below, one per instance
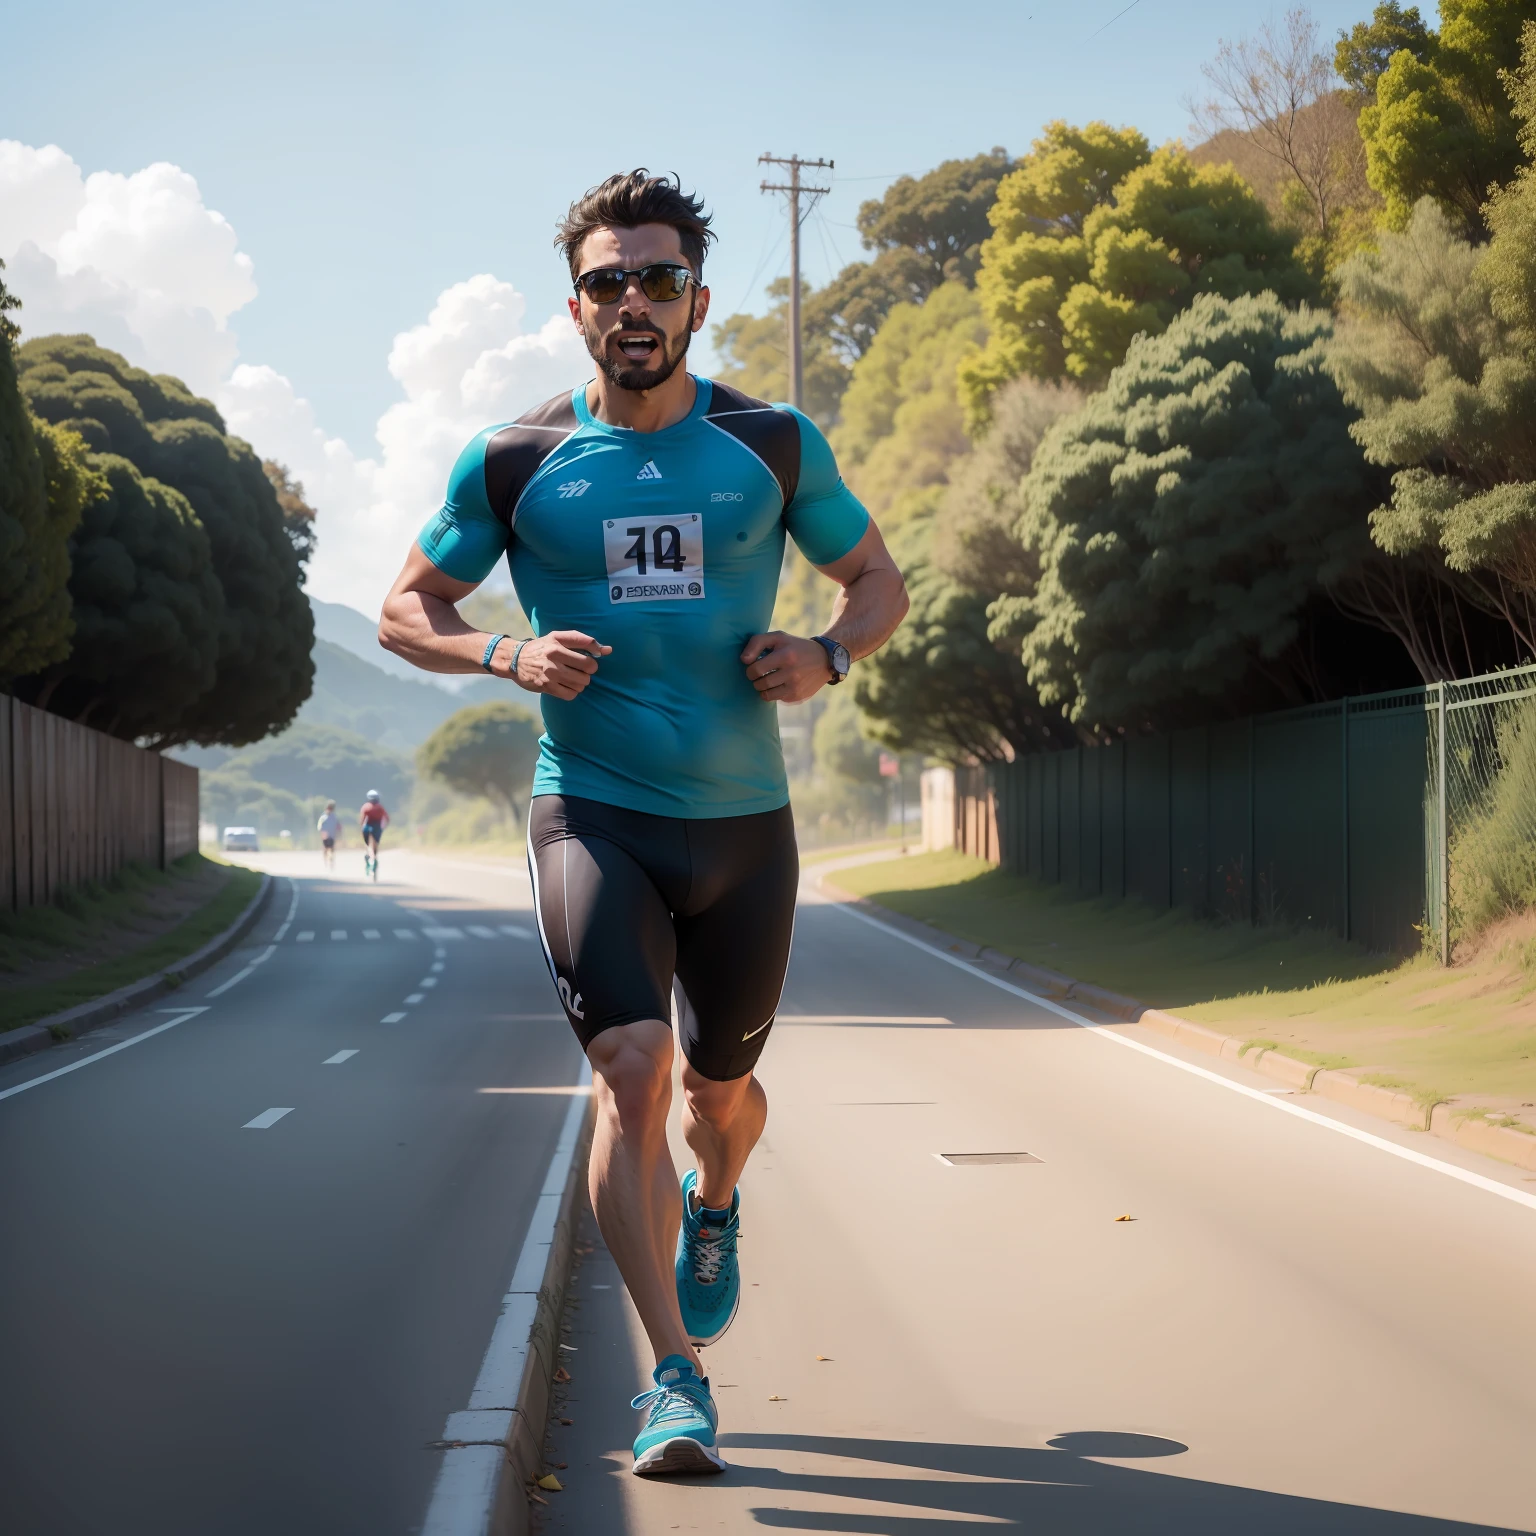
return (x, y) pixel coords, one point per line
(1113, 19)
(794, 190)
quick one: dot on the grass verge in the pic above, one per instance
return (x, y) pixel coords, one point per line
(1466, 1032)
(125, 914)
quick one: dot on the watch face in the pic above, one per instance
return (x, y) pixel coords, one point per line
(840, 658)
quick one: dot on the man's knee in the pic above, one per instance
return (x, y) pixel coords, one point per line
(634, 1074)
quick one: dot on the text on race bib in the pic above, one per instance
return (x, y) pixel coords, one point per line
(654, 558)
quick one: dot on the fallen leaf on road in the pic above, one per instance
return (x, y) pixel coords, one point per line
(1125, 1218)
(536, 1499)
(827, 1358)
(775, 1398)
(567, 1422)
(575, 1349)
(561, 1374)
(561, 1465)
(551, 1484)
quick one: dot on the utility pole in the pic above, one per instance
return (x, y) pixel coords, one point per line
(794, 191)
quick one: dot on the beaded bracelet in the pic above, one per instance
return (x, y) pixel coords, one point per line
(490, 650)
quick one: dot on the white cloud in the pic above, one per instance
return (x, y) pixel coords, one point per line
(142, 265)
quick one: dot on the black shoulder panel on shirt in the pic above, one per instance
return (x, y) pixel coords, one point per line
(513, 455)
(773, 435)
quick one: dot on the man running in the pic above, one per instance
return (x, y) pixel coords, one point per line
(329, 828)
(372, 819)
(643, 516)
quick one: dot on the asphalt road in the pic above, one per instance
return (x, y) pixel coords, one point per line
(1298, 1331)
(249, 1265)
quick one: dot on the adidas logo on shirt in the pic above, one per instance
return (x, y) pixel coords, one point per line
(649, 471)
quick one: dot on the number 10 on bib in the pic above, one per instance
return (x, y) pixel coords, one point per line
(654, 559)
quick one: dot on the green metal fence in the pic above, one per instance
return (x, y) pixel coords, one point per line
(1390, 819)
(1480, 809)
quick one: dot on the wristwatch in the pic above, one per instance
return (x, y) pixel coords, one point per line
(837, 657)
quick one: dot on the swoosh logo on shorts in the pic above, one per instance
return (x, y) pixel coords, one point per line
(760, 1028)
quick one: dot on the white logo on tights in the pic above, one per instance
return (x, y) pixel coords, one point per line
(572, 1006)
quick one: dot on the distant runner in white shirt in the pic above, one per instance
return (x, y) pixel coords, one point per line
(329, 827)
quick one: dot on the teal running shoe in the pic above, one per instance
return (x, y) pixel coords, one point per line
(708, 1278)
(678, 1436)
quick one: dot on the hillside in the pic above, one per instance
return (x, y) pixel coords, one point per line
(396, 712)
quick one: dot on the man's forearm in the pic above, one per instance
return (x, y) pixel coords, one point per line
(428, 632)
(867, 611)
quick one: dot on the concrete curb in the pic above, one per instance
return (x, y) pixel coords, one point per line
(84, 1017)
(494, 1449)
(1343, 1087)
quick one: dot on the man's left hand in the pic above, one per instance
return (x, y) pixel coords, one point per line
(786, 669)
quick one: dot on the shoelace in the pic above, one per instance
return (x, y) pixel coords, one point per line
(674, 1402)
(712, 1246)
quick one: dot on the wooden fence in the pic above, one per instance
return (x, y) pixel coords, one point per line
(76, 805)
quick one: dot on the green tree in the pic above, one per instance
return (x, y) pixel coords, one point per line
(1446, 388)
(1081, 263)
(489, 750)
(1440, 124)
(924, 231)
(1187, 521)
(1362, 54)
(147, 611)
(941, 217)
(263, 671)
(324, 762)
(839, 744)
(298, 515)
(1510, 263)
(941, 685)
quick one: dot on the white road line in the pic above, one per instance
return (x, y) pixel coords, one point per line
(1258, 1095)
(305, 937)
(183, 1014)
(443, 933)
(480, 931)
(338, 933)
(239, 976)
(370, 933)
(405, 933)
(338, 1058)
(512, 931)
(414, 998)
(266, 1119)
(293, 906)
(437, 965)
(467, 1479)
(391, 1018)
(440, 953)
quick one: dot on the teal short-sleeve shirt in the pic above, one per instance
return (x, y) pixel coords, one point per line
(668, 547)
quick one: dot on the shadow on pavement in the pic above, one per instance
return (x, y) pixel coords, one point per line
(1048, 1491)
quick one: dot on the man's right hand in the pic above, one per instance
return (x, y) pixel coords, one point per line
(560, 663)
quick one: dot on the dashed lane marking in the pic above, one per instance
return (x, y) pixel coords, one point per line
(338, 1058)
(512, 931)
(480, 931)
(305, 937)
(427, 981)
(391, 1018)
(443, 933)
(405, 933)
(370, 933)
(266, 1119)
(415, 997)
(338, 933)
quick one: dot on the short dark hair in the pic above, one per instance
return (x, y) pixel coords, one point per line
(628, 201)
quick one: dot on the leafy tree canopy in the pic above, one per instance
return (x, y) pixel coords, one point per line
(1510, 263)
(839, 743)
(1097, 240)
(1440, 124)
(263, 670)
(1185, 520)
(147, 610)
(489, 750)
(310, 761)
(298, 515)
(1362, 54)
(941, 217)
(1447, 392)
(924, 230)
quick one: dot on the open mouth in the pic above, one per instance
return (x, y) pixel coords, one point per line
(638, 347)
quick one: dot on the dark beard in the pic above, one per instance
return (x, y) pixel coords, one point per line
(625, 375)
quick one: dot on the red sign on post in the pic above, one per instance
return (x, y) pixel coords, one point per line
(890, 768)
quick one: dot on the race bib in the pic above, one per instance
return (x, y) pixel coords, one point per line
(651, 558)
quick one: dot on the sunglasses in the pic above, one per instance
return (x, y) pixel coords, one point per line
(659, 282)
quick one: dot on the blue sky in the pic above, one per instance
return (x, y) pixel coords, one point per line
(368, 157)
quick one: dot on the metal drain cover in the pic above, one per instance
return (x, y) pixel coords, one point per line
(977, 1159)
